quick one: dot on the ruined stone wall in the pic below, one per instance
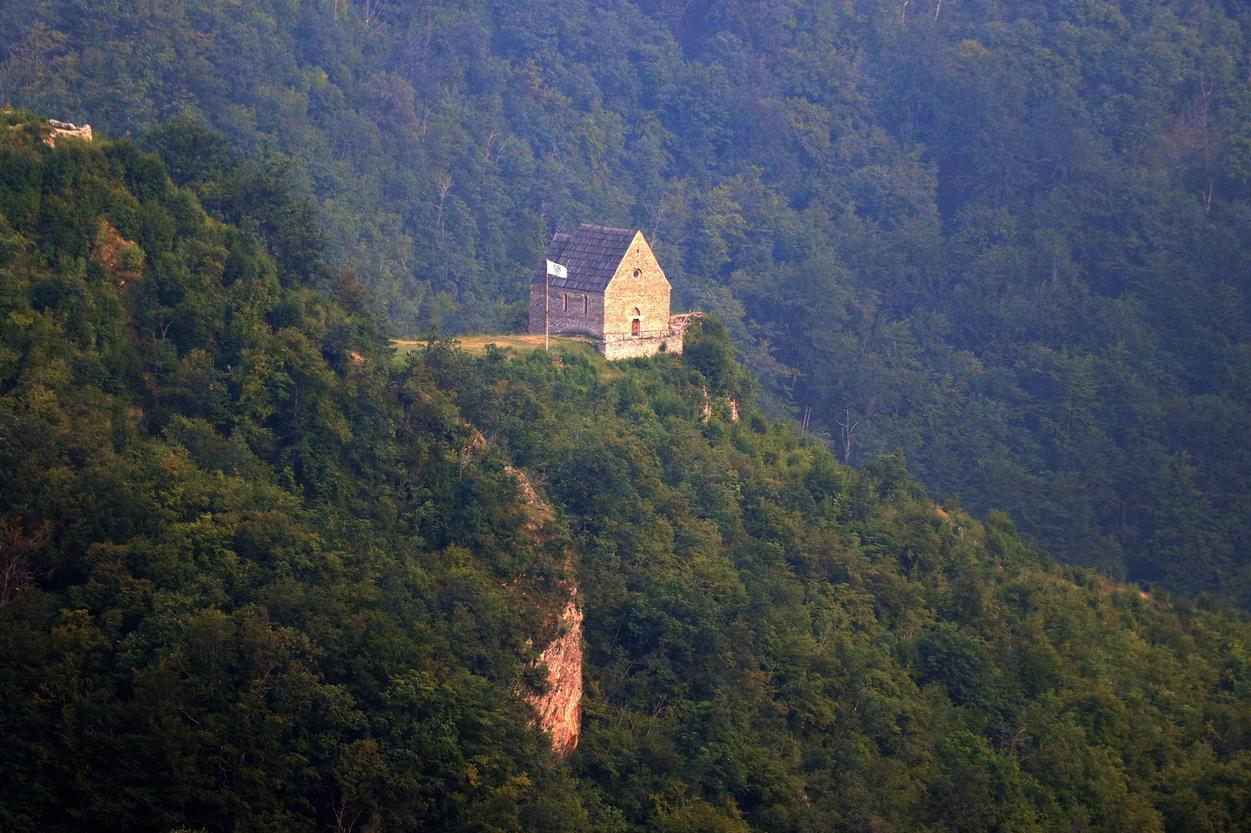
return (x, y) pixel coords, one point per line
(639, 284)
(636, 347)
(572, 319)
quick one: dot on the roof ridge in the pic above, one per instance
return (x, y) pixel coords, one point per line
(596, 227)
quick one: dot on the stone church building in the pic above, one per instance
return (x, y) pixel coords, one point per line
(613, 290)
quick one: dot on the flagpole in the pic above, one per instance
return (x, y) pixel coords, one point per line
(560, 272)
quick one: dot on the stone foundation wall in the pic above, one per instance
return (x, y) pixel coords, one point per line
(624, 346)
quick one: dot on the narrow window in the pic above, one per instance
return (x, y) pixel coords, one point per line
(564, 302)
(584, 305)
(636, 326)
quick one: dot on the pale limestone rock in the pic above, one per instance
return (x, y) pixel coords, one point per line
(559, 709)
(66, 130)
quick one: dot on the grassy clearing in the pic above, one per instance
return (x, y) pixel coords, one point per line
(477, 344)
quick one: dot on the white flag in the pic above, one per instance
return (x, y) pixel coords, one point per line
(556, 270)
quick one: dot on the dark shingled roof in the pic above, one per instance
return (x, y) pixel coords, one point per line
(591, 254)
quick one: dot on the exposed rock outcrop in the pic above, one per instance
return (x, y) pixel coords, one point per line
(538, 512)
(559, 709)
(66, 130)
(731, 403)
(473, 450)
(121, 258)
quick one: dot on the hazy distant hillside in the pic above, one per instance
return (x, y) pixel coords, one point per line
(1008, 239)
(256, 573)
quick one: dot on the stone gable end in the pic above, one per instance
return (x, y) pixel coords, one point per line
(638, 284)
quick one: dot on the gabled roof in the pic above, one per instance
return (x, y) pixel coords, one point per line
(591, 255)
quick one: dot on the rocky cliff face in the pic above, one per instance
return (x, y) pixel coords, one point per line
(65, 130)
(559, 709)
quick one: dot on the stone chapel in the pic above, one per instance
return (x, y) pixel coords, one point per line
(612, 289)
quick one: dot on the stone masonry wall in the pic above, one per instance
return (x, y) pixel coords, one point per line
(609, 316)
(636, 347)
(648, 293)
(571, 321)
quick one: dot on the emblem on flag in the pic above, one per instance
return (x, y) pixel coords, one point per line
(556, 270)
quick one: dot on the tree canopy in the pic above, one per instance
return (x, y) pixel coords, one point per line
(1010, 240)
(259, 573)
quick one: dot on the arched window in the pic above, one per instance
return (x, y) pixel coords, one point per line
(636, 326)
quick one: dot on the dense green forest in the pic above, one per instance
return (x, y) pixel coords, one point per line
(1008, 239)
(261, 574)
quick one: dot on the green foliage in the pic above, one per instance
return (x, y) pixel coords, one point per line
(1009, 239)
(777, 642)
(260, 575)
(231, 598)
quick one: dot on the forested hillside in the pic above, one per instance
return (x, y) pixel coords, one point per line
(1008, 239)
(260, 574)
